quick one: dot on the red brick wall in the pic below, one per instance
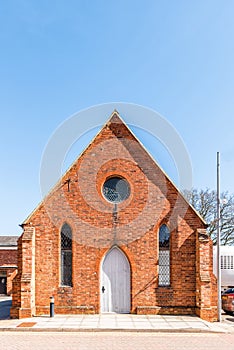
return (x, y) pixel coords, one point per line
(153, 200)
(16, 285)
(206, 297)
(8, 257)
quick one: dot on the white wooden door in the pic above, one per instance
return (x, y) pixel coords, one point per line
(115, 282)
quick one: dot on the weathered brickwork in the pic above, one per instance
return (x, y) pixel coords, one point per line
(97, 226)
(8, 267)
(8, 257)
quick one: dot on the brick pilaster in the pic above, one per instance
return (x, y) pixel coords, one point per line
(23, 303)
(206, 286)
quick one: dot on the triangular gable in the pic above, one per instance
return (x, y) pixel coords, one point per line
(121, 131)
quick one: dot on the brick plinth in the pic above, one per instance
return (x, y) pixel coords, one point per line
(162, 310)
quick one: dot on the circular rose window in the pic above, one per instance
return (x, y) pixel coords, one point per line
(116, 189)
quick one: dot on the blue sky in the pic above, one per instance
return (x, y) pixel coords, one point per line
(59, 57)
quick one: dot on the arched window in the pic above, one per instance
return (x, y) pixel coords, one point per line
(66, 255)
(164, 256)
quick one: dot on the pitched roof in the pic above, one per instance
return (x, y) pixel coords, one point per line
(8, 241)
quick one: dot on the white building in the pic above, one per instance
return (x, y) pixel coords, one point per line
(227, 266)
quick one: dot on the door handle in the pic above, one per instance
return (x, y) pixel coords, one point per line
(103, 289)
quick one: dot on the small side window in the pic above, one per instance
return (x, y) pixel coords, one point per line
(164, 256)
(66, 255)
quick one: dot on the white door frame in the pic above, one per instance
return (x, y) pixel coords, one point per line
(120, 301)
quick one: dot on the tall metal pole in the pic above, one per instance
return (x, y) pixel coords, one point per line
(218, 240)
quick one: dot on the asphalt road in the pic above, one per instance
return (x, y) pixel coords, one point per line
(113, 341)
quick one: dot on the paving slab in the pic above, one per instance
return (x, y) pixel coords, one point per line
(115, 322)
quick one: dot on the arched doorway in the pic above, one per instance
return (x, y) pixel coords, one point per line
(115, 282)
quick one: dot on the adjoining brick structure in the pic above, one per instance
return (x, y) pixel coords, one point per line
(8, 263)
(96, 245)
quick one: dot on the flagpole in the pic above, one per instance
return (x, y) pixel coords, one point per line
(218, 240)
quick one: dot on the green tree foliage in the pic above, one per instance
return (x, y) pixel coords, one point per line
(205, 202)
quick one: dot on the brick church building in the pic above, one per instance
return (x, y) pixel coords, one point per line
(115, 235)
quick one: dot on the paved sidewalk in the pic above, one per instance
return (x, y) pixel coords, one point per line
(116, 322)
(111, 322)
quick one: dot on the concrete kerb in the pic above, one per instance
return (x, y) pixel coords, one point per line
(111, 330)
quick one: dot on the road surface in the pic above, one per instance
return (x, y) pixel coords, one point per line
(113, 341)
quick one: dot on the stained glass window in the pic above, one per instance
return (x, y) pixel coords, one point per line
(116, 189)
(164, 256)
(66, 255)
